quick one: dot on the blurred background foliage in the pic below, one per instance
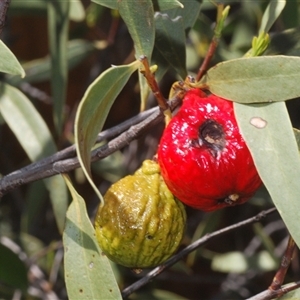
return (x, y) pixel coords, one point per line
(234, 266)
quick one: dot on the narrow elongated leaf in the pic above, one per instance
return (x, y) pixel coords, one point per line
(165, 5)
(271, 140)
(170, 42)
(59, 198)
(77, 12)
(189, 12)
(9, 63)
(58, 26)
(26, 123)
(93, 110)
(34, 136)
(139, 19)
(88, 273)
(113, 4)
(271, 14)
(256, 79)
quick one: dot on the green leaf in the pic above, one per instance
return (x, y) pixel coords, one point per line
(170, 42)
(26, 123)
(161, 5)
(293, 295)
(77, 12)
(58, 30)
(189, 13)
(271, 14)
(9, 63)
(93, 110)
(59, 199)
(271, 140)
(35, 138)
(238, 262)
(256, 79)
(88, 273)
(113, 4)
(139, 19)
(12, 270)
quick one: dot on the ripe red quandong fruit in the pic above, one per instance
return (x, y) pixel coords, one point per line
(204, 159)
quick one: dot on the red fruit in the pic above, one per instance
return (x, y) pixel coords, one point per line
(204, 159)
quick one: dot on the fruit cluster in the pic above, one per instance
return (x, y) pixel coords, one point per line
(203, 160)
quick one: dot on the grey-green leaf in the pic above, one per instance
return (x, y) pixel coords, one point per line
(94, 108)
(34, 136)
(161, 5)
(170, 42)
(256, 79)
(88, 273)
(113, 4)
(26, 123)
(271, 14)
(139, 19)
(77, 12)
(58, 31)
(9, 63)
(271, 140)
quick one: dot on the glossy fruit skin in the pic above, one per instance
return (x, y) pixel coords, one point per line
(141, 223)
(205, 175)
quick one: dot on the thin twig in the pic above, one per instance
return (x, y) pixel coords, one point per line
(66, 160)
(200, 242)
(4, 4)
(284, 265)
(273, 294)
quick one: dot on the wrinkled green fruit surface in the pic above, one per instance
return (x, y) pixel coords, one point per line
(141, 224)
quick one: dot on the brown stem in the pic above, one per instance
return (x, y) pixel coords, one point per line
(285, 262)
(210, 53)
(162, 102)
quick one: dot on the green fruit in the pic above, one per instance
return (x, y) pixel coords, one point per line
(141, 224)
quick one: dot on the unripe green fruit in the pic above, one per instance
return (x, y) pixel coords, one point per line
(141, 224)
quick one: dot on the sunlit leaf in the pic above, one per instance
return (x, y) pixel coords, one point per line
(271, 14)
(170, 42)
(88, 273)
(77, 12)
(93, 110)
(9, 63)
(238, 262)
(256, 79)
(293, 295)
(139, 19)
(276, 156)
(35, 138)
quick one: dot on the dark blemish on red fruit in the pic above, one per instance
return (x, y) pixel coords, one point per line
(211, 134)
